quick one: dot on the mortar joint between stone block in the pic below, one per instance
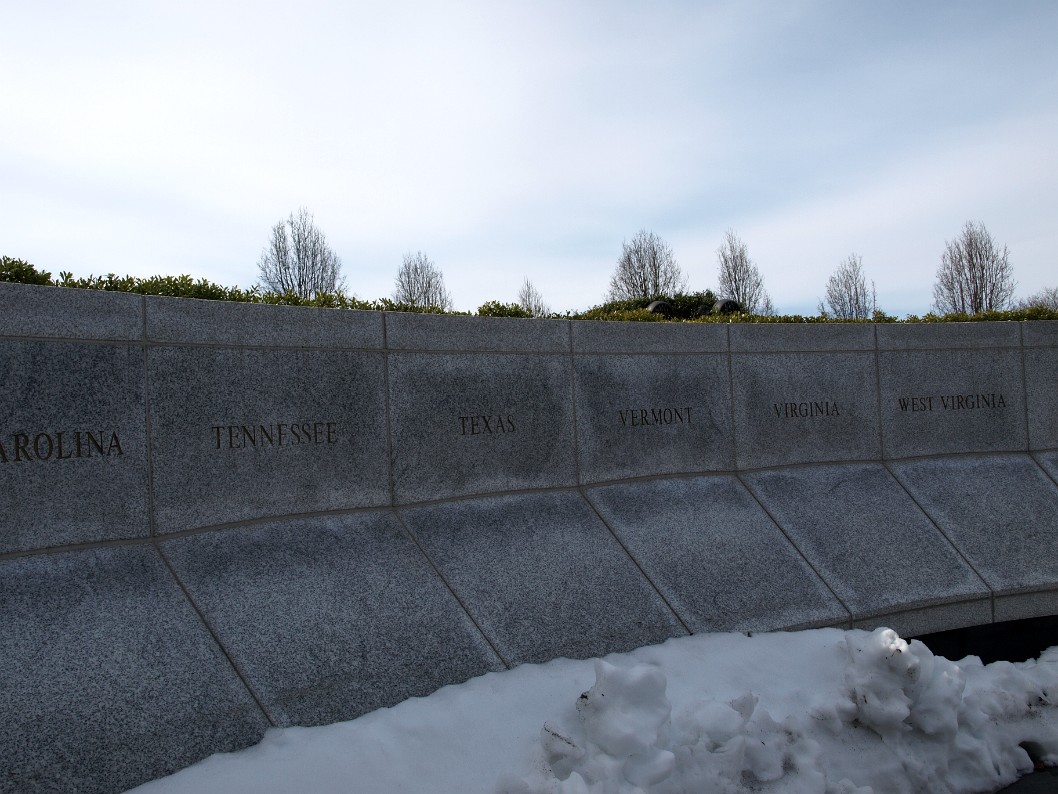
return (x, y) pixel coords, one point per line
(731, 398)
(444, 580)
(1034, 457)
(635, 562)
(1024, 386)
(390, 463)
(774, 519)
(903, 486)
(216, 637)
(878, 396)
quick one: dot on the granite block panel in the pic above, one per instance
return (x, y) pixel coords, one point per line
(73, 451)
(410, 331)
(479, 423)
(800, 338)
(62, 313)
(242, 434)
(937, 336)
(716, 556)
(940, 617)
(183, 320)
(936, 402)
(621, 337)
(1041, 386)
(804, 408)
(330, 617)
(868, 539)
(110, 679)
(1040, 333)
(660, 414)
(542, 576)
(1001, 511)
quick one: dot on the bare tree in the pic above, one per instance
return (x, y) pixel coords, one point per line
(847, 295)
(421, 283)
(646, 268)
(530, 299)
(298, 259)
(975, 275)
(739, 278)
(1046, 298)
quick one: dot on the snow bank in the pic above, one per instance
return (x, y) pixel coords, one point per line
(824, 711)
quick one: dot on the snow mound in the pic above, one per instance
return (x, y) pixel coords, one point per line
(901, 720)
(823, 711)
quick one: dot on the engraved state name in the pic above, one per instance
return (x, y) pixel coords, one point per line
(486, 425)
(59, 445)
(641, 417)
(951, 402)
(806, 410)
(274, 434)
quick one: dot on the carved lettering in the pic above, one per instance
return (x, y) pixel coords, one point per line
(273, 434)
(95, 442)
(805, 410)
(481, 425)
(55, 445)
(641, 417)
(915, 404)
(952, 402)
(43, 446)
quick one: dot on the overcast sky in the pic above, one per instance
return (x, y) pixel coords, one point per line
(510, 140)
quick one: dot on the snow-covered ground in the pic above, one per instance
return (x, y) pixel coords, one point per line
(824, 711)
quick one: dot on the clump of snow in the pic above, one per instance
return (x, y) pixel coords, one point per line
(627, 741)
(932, 724)
(815, 712)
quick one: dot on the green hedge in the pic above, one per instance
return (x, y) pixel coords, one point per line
(19, 271)
(689, 307)
(682, 306)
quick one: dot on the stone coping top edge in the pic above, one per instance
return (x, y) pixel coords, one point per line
(797, 337)
(30, 310)
(189, 320)
(932, 336)
(425, 332)
(1040, 333)
(599, 336)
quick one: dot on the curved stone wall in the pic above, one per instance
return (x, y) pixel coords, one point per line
(219, 517)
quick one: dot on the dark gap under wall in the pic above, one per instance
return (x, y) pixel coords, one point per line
(1011, 641)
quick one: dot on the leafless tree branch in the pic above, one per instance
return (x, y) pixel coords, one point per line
(847, 295)
(298, 259)
(975, 275)
(739, 278)
(1046, 298)
(647, 268)
(530, 299)
(421, 283)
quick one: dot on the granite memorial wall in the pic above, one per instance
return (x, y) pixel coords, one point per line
(222, 517)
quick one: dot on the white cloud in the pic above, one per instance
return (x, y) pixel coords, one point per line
(508, 141)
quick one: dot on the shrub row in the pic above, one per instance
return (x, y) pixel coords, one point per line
(690, 307)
